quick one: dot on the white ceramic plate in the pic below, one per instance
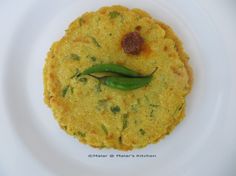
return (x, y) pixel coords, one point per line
(33, 144)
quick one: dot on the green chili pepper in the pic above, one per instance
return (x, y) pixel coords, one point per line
(76, 75)
(114, 68)
(125, 83)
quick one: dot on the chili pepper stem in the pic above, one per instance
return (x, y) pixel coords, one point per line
(154, 71)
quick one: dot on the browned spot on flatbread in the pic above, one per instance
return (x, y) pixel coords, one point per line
(109, 97)
(146, 50)
(111, 136)
(166, 48)
(176, 71)
(80, 39)
(138, 28)
(132, 43)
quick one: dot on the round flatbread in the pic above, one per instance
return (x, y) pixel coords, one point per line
(104, 117)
